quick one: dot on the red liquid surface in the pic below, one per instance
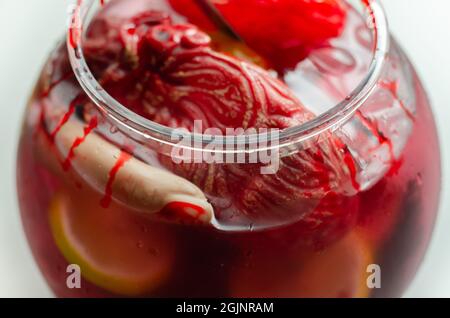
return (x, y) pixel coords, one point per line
(324, 254)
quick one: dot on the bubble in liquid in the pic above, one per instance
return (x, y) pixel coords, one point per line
(113, 129)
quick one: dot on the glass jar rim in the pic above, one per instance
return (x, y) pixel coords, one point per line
(143, 129)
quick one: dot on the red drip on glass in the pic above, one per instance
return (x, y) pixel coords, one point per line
(121, 161)
(78, 141)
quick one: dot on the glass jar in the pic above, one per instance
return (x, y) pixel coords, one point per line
(324, 208)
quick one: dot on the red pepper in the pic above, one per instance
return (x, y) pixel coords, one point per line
(282, 31)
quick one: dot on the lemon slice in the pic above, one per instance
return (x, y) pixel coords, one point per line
(117, 250)
(338, 271)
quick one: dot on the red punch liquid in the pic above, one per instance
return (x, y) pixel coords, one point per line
(366, 194)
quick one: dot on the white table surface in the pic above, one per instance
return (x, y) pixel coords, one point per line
(29, 29)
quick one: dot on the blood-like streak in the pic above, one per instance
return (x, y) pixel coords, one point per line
(382, 139)
(78, 141)
(352, 169)
(75, 27)
(124, 157)
(64, 77)
(392, 87)
(66, 116)
(62, 122)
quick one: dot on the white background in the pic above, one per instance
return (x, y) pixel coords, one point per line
(29, 29)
